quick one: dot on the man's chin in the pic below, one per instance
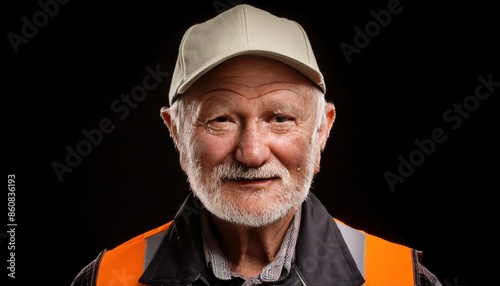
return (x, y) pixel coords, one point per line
(250, 209)
(251, 217)
(250, 221)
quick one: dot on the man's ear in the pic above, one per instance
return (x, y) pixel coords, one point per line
(326, 127)
(324, 132)
(166, 114)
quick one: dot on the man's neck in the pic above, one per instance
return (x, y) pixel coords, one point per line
(249, 249)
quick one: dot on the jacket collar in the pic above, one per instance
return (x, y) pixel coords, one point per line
(322, 256)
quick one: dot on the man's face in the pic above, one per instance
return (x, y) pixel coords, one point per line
(250, 141)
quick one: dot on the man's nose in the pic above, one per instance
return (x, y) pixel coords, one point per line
(253, 146)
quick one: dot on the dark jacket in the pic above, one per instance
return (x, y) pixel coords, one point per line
(177, 257)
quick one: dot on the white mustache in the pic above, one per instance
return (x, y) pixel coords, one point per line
(235, 172)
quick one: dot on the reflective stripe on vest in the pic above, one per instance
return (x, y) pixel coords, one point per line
(382, 263)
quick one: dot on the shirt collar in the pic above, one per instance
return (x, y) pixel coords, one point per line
(274, 271)
(321, 254)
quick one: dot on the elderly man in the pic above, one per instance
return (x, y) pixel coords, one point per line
(249, 119)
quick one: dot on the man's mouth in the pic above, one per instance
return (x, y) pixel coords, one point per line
(243, 180)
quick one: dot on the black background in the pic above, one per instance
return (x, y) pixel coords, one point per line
(394, 91)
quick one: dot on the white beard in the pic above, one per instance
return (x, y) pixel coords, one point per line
(252, 208)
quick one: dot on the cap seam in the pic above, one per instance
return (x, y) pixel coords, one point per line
(246, 25)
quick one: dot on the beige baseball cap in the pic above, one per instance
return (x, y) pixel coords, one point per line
(240, 30)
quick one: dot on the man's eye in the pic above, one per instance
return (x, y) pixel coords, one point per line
(221, 119)
(281, 118)
(218, 121)
(219, 124)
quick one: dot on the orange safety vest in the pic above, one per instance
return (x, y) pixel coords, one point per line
(382, 263)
